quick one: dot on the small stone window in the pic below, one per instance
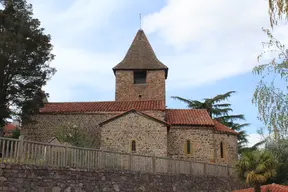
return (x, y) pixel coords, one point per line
(188, 150)
(140, 77)
(222, 150)
(133, 146)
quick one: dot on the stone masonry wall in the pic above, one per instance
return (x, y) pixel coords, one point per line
(230, 148)
(205, 144)
(126, 90)
(150, 136)
(202, 143)
(18, 178)
(47, 125)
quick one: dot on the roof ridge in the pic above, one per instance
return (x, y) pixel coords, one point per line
(111, 106)
(188, 109)
(104, 101)
(223, 127)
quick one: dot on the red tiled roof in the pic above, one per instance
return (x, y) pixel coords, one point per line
(188, 117)
(134, 111)
(9, 128)
(265, 188)
(222, 128)
(106, 106)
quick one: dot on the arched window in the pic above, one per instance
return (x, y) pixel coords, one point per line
(188, 147)
(222, 149)
(133, 146)
(188, 143)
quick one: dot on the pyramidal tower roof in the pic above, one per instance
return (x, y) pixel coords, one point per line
(140, 56)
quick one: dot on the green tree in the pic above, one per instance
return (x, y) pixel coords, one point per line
(278, 10)
(256, 168)
(279, 151)
(16, 133)
(212, 105)
(271, 94)
(75, 136)
(25, 54)
(272, 99)
(220, 110)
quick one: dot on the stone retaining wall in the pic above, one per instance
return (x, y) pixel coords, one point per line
(17, 178)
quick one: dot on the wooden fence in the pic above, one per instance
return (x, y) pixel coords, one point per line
(21, 151)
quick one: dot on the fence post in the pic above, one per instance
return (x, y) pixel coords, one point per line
(191, 167)
(228, 171)
(205, 168)
(20, 148)
(45, 155)
(154, 164)
(66, 155)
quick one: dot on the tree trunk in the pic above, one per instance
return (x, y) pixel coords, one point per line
(257, 188)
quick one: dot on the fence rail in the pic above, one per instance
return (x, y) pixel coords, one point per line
(21, 151)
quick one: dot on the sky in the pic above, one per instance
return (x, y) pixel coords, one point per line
(209, 46)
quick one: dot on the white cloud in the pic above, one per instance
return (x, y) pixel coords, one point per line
(78, 17)
(254, 138)
(214, 39)
(76, 67)
(80, 68)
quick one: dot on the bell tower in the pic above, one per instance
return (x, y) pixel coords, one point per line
(140, 75)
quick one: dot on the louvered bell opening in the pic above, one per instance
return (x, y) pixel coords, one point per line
(140, 77)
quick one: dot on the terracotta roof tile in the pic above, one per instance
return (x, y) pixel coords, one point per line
(133, 111)
(140, 56)
(265, 188)
(106, 106)
(222, 128)
(188, 117)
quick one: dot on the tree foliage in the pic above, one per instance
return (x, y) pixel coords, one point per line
(75, 136)
(279, 151)
(212, 105)
(25, 54)
(256, 168)
(220, 110)
(16, 133)
(278, 10)
(271, 94)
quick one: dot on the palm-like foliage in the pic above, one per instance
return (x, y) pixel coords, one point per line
(256, 168)
(221, 112)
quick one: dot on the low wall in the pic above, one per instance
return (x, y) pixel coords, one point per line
(35, 179)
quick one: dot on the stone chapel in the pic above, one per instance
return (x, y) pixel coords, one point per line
(138, 120)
